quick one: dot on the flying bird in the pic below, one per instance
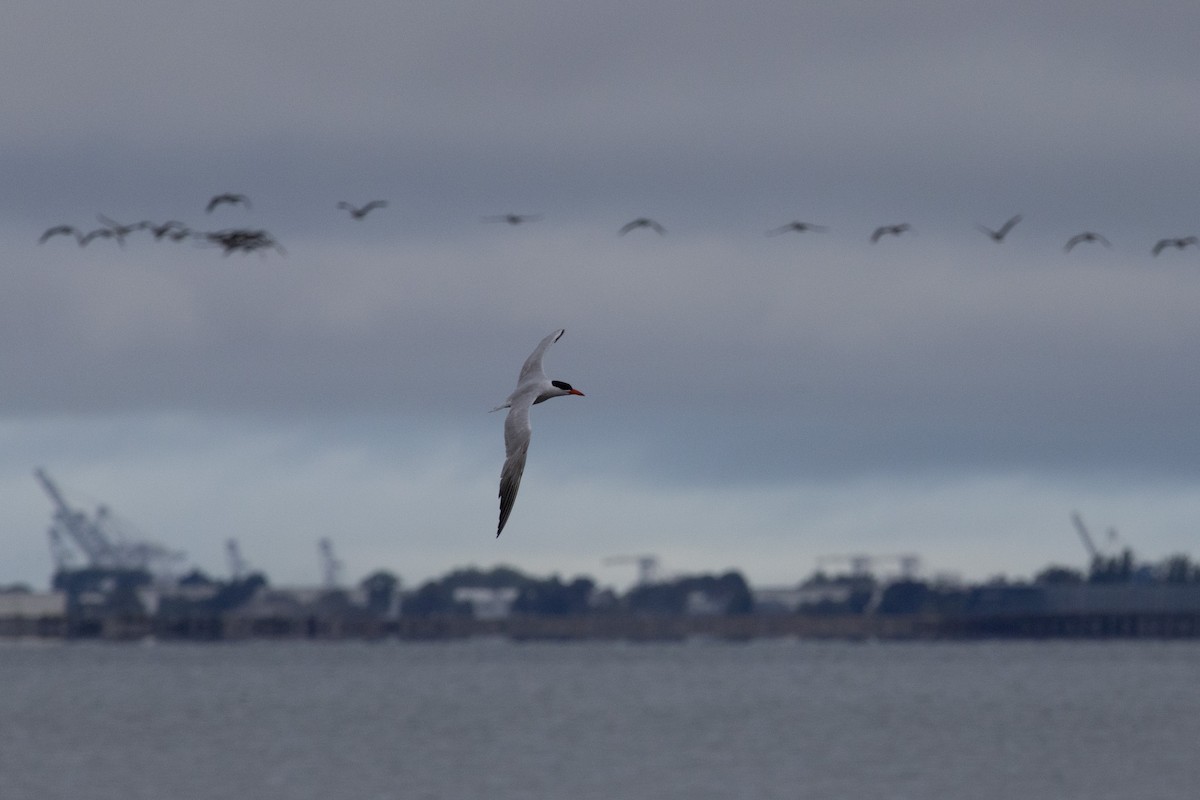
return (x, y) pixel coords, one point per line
(533, 387)
(798, 227)
(119, 231)
(889, 230)
(998, 235)
(172, 228)
(641, 222)
(243, 240)
(1086, 236)
(99, 233)
(359, 213)
(59, 230)
(513, 219)
(228, 197)
(1179, 244)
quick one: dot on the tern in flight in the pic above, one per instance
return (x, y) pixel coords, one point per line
(1176, 243)
(1086, 236)
(360, 212)
(798, 227)
(228, 197)
(998, 235)
(533, 387)
(642, 222)
(889, 230)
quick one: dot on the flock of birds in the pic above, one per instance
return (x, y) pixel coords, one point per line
(247, 240)
(533, 386)
(231, 240)
(797, 226)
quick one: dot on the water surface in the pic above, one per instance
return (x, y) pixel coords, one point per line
(768, 719)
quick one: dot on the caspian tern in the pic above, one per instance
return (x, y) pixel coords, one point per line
(532, 388)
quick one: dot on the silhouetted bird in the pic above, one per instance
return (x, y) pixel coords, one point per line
(244, 240)
(889, 230)
(119, 230)
(59, 230)
(99, 233)
(1178, 244)
(998, 235)
(169, 228)
(359, 213)
(228, 197)
(641, 222)
(513, 219)
(1086, 236)
(799, 227)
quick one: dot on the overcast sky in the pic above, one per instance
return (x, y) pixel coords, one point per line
(753, 401)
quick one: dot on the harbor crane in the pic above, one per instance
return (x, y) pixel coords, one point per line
(331, 565)
(239, 568)
(647, 566)
(1085, 536)
(1089, 543)
(99, 538)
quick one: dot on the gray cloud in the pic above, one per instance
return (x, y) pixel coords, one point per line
(713, 356)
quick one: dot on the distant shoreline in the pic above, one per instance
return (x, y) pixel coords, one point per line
(616, 627)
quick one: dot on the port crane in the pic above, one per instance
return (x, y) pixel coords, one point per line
(99, 538)
(647, 566)
(331, 565)
(239, 568)
(1085, 536)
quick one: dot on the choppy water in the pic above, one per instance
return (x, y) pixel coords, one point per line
(489, 719)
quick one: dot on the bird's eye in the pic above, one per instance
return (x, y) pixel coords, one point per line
(566, 387)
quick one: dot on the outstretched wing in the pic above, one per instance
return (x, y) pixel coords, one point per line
(516, 446)
(57, 230)
(1008, 226)
(532, 368)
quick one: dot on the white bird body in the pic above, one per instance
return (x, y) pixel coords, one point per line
(533, 387)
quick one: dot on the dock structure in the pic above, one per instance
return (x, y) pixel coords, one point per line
(273, 614)
(41, 615)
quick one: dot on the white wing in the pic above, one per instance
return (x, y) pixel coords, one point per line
(532, 369)
(516, 425)
(516, 446)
